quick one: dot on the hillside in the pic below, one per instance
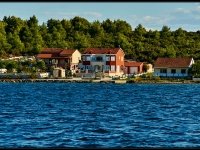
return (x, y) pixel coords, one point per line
(27, 37)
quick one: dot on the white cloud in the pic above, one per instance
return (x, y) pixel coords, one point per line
(179, 17)
(150, 18)
(182, 10)
(160, 20)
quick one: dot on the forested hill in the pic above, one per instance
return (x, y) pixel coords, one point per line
(27, 37)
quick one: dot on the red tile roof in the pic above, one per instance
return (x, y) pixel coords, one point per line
(44, 55)
(67, 52)
(132, 63)
(101, 50)
(172, 62)
(55, 53)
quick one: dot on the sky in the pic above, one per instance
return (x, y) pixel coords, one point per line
(152, 15)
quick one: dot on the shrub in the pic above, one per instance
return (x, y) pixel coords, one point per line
(156, 78)
(138, 79)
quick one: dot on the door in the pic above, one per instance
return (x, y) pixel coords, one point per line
(133, 70)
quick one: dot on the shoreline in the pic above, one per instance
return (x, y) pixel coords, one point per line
(79, 80)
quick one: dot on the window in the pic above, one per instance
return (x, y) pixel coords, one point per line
(99, 58)
(173, 71)
(183, 71)
(87, 67)
(66, 61)
(87, 58)
(107, 67)
(163, 70)
(82, 67)
(107, 58)
(112, 58)
(93, 58)
(112, 68)
(83, 58)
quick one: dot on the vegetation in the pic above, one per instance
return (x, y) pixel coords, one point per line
(23, 66)
(195, 70)
(27, 37)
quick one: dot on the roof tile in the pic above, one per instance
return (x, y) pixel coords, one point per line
(55, 53)
(132, 63)
(172, 62)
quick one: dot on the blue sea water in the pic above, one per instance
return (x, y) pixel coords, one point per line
(97, 115)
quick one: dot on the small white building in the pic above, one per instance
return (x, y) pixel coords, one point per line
(173, 67)
(43, 75)
(3, 70)
(59, 73)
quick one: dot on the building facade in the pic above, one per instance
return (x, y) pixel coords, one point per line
(173, 67)
(67, 59)
(133, 67)
(109, 61)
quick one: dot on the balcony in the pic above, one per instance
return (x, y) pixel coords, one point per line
(97, 59)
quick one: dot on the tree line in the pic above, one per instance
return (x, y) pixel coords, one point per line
(27, 37)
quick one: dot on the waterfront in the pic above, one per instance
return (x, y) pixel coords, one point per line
(94, 115)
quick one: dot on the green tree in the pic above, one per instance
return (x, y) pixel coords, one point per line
(4, 45)
(11, 65)
(80, 24)
(123, 27)
(13, 24)
(40, 65)
(35, 37)
(195, 69)
(15, 42)
(56, 34)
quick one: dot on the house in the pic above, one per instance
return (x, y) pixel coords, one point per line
(172, 67)
(59, 72)
(68, 59)
(109, 61)
(133, 67)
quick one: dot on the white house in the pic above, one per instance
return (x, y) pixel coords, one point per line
(173, 67)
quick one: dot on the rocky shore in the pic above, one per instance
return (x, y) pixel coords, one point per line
(79, 80)
(57, 80)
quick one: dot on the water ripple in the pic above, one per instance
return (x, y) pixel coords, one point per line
(86, 115)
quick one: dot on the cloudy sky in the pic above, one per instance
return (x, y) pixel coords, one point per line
(152, 15)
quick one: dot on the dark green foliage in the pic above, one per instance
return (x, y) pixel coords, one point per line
(23, 66)
(27, 37)
(40, 65)
(195, 70)
(11, 65)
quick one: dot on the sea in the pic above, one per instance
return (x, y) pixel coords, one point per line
(99, 115)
